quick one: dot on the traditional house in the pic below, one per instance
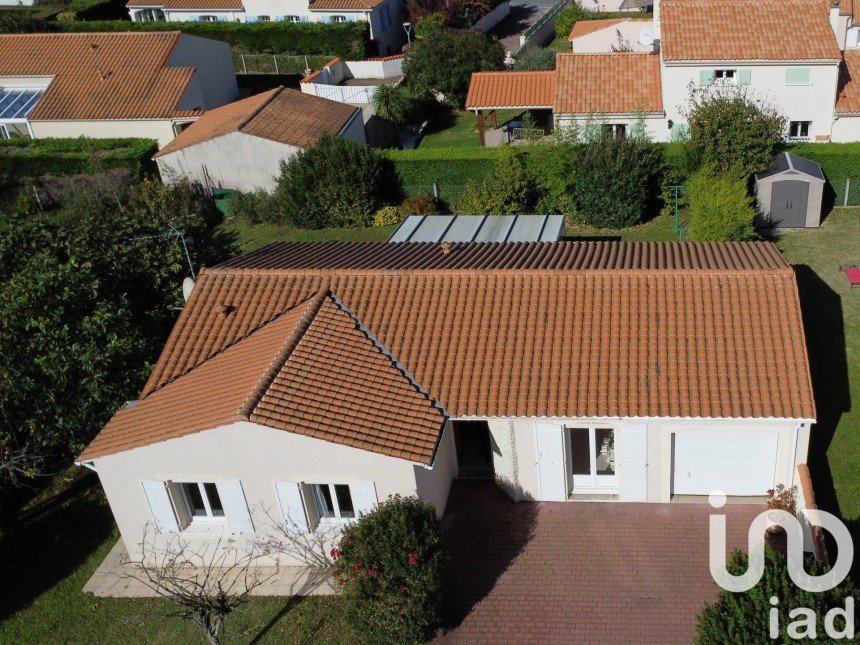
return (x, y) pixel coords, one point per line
(304, 383)
(106, 85)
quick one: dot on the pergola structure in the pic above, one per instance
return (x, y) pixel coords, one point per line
(493, 91)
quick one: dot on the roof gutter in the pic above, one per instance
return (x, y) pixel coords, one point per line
(87, 464)
(349, 121)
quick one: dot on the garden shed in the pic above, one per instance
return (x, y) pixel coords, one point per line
(790, 192)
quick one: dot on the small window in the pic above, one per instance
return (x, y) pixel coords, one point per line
(293, 18)
(333, 501)
(338, 18)
(725, 76)
(799, 129)
(208, 19)
(264, 18)
(202, 500)
(614, 129)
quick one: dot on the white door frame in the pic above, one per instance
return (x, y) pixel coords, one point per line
(592, 483)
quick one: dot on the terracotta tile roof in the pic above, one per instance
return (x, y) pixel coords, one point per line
(344, 5)
(585, 27)
(612, 83)
(217, 5)
(739, 30)
(511, 89)
(848, 96)
(850, 8)
(573, 330)
(335, 257)
(296, 373)
(99, 75)
(283, 115)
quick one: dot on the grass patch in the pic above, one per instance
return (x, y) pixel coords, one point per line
(253, 236)
(459, 129)
(658, 229)
(61, 536)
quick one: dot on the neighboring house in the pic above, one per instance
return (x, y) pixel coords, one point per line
(382, 16)
(846, 23)
(106, 85)
(242, 145)
(785, 53)
(846, 125)
(305, 382)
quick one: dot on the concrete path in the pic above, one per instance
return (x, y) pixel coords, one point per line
(524, 13)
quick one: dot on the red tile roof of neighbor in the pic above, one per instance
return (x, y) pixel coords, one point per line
(342, 341)
(585, 27)
(850, 8)
(282, 115)
(344, 5)
(100, 75)
(612, 83)
(848, 96)
(739, 30)
(217, 5)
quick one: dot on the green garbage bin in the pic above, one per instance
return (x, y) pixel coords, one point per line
(223, 197)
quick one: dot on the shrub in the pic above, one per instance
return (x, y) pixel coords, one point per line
(444, 61)
(615, 180)
(745, 617)
(389, 565)
(510, 190)
(386, 216)
(335, 183)
(732, 131)
(720, 207)
(349, 40)
(568, 17)
(420, 204)
(429, 24)
(394, 102)
(253, 207)
(535, 59)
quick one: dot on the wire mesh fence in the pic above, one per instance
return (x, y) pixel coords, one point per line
(445, 192)
(276, 63)
(846, 191)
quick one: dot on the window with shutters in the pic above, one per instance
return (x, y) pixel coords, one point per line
(338, 18)
(201, 500)
(308, 507)
(725, 76)
(333, 501)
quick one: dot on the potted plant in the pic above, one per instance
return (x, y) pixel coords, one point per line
(780, 498)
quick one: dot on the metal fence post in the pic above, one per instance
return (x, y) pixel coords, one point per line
(275, 58)
(244, 67)
(435, 190)
(847, 191)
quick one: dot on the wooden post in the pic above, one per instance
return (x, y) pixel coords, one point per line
(493, 119)
(847, 190)
(480, 115)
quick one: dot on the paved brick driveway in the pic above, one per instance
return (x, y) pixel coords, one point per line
(584, 572)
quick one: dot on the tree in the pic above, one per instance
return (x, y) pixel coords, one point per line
(444, 61)
(720, 207)
(335, 183)
(393, 102)
(431, 23)
(90, 276)
(732, 131)
(745, 617)
(510, 189)
(535, 59)
(615, 182)
(569, 16)
(389, 566)
(207, 582)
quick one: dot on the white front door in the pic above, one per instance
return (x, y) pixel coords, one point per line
(592, 459)
(550, 462)
(741, 463)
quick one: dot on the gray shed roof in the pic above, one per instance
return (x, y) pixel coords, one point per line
(785, 161)
(479, 228)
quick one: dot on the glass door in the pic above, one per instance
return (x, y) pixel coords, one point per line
(592, 459)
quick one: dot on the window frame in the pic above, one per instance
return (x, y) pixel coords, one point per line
(210, 517)
(800, 125)
(337, 515)
(725, 76)
(338, 18)
(207, 18)
(597, 483)
(293, 19)
(264, 18)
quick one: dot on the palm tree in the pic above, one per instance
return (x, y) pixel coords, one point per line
(393, 102)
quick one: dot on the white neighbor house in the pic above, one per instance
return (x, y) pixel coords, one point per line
(305, 382)
(241, 145)
(105, 85)
(787, 53)
(383, 16)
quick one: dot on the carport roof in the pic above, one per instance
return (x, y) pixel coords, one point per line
(513, 90)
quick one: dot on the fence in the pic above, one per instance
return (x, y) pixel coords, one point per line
(541, 29)
(345, 93)
(445, 192)
(276, 63)
(846, 191)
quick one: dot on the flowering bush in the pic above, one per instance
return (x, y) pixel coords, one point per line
(389, 566)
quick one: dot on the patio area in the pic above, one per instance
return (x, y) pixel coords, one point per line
(580, 571)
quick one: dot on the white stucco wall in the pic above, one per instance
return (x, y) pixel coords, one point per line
(813, 102)
(214, 82)
(603, 41)
(434, 485)
(505, 456)
(655, 126)
(234, 160)
(846, 129)
(257, 456)
(160, 130)
(792, 448)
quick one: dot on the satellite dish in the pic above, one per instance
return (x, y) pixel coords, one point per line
(187, 288)
(646, 37)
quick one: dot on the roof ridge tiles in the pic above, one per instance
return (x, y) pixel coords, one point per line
(260, 108)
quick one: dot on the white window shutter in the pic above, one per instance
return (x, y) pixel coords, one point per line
(160, 506)
(363, 497)
(292, 506)
(183, 515)
(549, 442)
(311, 509)
(632, 462)
(235, 506)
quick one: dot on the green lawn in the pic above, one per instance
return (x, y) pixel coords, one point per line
(253, 236)
(459, 129)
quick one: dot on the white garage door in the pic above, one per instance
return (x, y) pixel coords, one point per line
(738, 463)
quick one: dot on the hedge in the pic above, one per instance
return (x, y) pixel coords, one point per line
(349, 40)
(837, 160)
(23, 158)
